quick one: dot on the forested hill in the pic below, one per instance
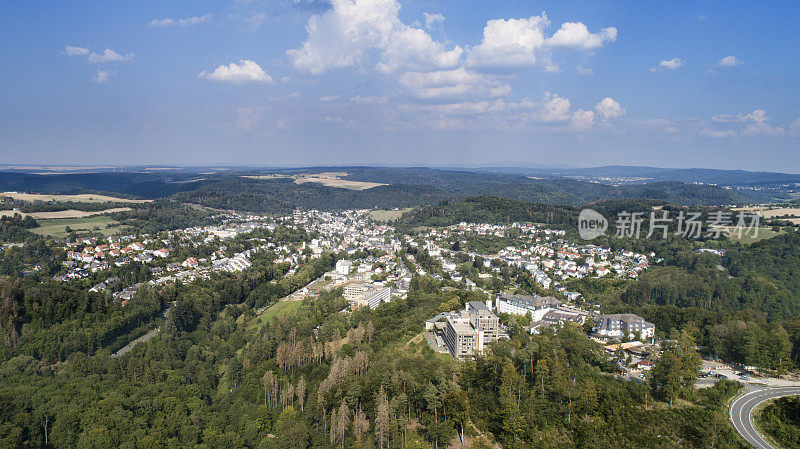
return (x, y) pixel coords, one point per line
(777, 260)
(553, 190)
(486, 209)
(704, 175)
(146, 185)
(490, 209)
(420, 187)
(404, 187)
(283, 195)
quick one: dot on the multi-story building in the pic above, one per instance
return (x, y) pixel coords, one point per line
(538, 306)
(483, 320)
(354, 291)
(563, 315)
(367, 294)
(468, 331)
(377, 296)
(460, 337)
(623, 325)
(343, 267)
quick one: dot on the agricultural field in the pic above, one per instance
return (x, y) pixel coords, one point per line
(385, 216)
(772, 212)
(333, 179)
(328, 179)
(56, 227)
(69, 213)
(81, 198)
(764, 232)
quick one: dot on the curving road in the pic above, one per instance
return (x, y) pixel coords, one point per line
(742, 411)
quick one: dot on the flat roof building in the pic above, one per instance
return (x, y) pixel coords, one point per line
(467, 332)
(622, 325)
(538, 306)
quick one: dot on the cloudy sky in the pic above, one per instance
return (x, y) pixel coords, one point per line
(409, 82)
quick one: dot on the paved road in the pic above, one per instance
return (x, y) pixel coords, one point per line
(144, 337)
(742, 410)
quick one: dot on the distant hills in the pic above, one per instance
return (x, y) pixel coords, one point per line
(651, 174)
(406, 186)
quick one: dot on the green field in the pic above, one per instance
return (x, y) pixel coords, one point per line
(278, 309)
(764, 232)
(385, 216)
(55, 226)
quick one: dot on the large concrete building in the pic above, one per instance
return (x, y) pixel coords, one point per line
(355, 290)
(343, 267)
(367, 294)
(545, 311)
(538, 306)
(467, 332)
(623, 325)
(377, 296)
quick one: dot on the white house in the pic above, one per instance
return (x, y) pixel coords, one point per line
(343, 267)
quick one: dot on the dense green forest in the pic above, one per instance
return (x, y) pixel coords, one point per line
(497, 210)
(163, 215)
(487, 209)
(762, 277)
(743, 307)
(283, 195)
(552, 188)
(50, 321)
(406, 187)
(218, 375)
(146, 185)
(780, 420)
(360, 379)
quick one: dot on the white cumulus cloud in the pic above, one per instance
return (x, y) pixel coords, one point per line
(729, 61)
(76, 51)
(518, 42)
(758, 123)
(576, 35)
(102, 76)
(456, 83)
(608, 108)
(752, 123)
(552, 112)
(180, 22)
(432, 19)
(351, 31)
(109, 55)
(554, 109)
(668, 64)
(246, 71)
(582, 120)
(509, 43)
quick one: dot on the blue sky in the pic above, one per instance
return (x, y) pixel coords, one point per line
(301, 82)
